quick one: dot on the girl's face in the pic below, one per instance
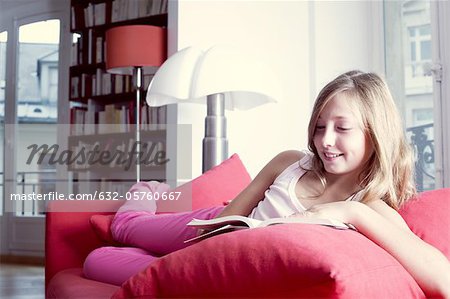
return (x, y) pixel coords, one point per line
(339, 138)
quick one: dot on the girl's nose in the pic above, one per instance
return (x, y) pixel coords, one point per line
(329, 138)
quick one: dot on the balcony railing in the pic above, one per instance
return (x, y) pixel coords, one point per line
(43, 181)
(422, 140)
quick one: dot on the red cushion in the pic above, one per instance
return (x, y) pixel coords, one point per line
(292, 260)
(219, 184)
(214, 187)
(101, 224)
(428, 216)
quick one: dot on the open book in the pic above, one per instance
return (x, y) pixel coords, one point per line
(236, 222)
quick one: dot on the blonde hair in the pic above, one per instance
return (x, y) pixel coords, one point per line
(389, 173)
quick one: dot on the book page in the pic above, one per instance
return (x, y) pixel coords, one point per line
(220, 230)
(328, 222)
(236, 220)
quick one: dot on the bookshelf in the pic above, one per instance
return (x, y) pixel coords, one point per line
(102, 105)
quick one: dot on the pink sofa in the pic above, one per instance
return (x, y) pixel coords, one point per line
(293, 260)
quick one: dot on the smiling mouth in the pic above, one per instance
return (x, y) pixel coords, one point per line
(329, 155)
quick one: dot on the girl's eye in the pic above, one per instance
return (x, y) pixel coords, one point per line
(320, 127)
(344, 128)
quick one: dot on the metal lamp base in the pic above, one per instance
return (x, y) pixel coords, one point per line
(215, 143)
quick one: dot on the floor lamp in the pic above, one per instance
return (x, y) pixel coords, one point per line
(135, 50)
(223, 76)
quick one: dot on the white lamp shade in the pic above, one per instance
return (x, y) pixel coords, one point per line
(192, 73)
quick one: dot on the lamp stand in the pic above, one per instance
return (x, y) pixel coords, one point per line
(215, 143)
(137, 75)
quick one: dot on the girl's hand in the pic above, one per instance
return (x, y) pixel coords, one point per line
(343, 211)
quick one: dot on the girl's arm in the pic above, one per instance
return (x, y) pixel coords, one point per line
(249, 198)
(384, 226)
(426, 264)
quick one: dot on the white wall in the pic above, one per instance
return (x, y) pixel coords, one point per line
(342, 36)
(306, 43)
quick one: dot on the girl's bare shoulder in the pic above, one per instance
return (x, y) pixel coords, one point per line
(291, 156)
(286, 158)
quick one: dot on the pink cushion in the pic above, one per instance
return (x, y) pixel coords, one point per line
(428, 217)
(219, 184)
(292, 260)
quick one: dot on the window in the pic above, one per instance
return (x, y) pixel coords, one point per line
(38, 63)
(423, 116)
(408, 52)
(37, 90)
(3, 41)
(420, 45)
(34, 33)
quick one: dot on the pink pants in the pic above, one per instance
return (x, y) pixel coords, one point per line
(150, 236)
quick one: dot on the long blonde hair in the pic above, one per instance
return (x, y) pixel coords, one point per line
(389, 173)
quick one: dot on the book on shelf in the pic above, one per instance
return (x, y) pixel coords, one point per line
(226, 224)
(122, 10)
(97, 118)
(99, 14)
(96, 14)
(89, 15)
(77, 120)
(99, 49)
(74, 87)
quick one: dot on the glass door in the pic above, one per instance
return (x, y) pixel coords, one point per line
(33, 104)
(3, 43)
(414, 77)
(36, 94)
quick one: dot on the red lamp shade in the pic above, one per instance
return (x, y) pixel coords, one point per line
(135, 45)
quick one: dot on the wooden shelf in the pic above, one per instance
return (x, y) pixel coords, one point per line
(77, 70)
(151, 134)
(155, 20)
(109, 99)
(132, 170)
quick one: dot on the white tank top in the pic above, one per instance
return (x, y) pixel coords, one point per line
(280, 199)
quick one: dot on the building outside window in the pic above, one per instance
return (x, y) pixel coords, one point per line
(408, 44)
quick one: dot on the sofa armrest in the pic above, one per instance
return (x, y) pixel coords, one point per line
(69, 237)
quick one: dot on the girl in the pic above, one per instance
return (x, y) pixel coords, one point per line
(358, 170)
